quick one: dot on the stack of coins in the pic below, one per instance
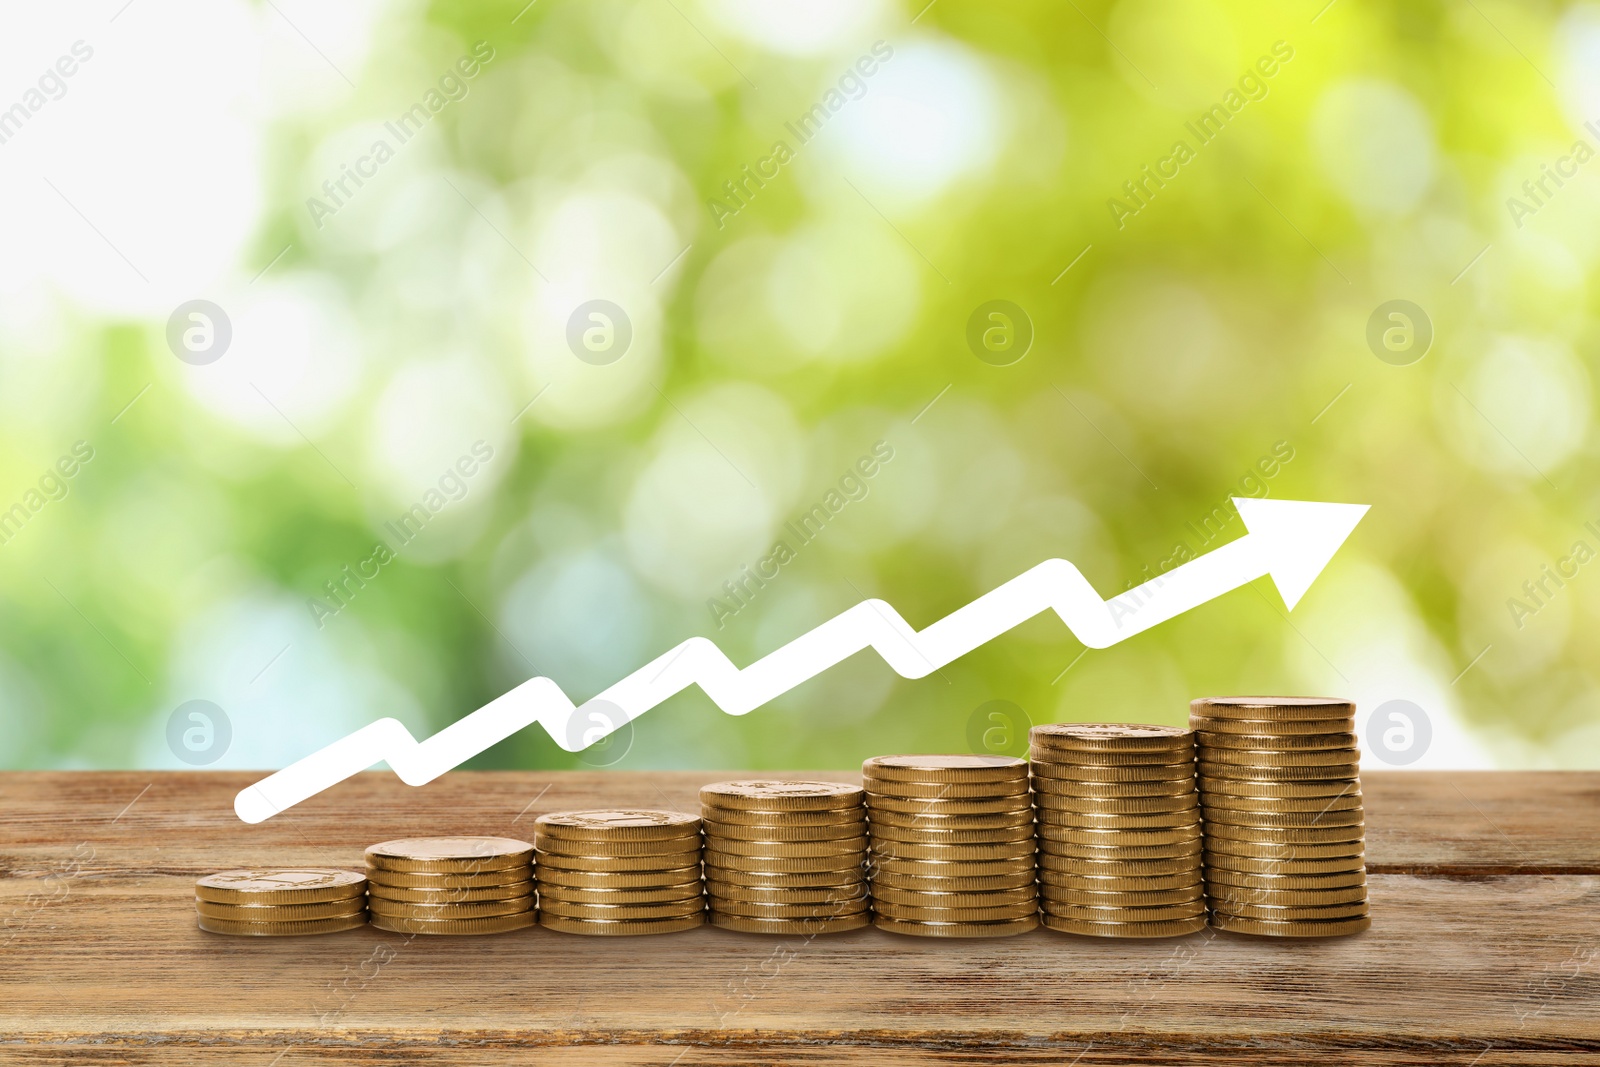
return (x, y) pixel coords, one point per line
(1284, 829)
(619, 872)
(785, 857)
(1119, 830)
(451, 885)
(279, 903)
(952, 845)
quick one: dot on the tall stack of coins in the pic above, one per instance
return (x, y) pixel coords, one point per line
(1284, 831)
(1119, 830)
(451, 885)
(281, 902)
(619, 872)
(952, 845)
(785, 857)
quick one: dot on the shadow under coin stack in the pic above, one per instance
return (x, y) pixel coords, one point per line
(282, 902)
(1284, 830)
(785, 857)
(952, 845)
(619, 872)
(451, 885)
(1119, 830)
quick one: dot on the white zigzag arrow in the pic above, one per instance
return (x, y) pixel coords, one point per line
(1292, 540)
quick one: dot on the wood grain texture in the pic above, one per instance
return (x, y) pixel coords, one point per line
(1485, 949)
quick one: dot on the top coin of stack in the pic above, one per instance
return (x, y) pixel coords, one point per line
(785, 857)
(451, 885)
(281, 902)
(619, 872)
(1119, 830)
(952, 845)
(1284, 830)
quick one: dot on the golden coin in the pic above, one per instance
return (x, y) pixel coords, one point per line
(841, 846)
(1103, 760)
(1130, 914)
(1245, 789)
(882, 865)
(1283, 819)
(659, 895)
(746, 909)
(282, 929)
(671, 846)
(720, 831)
(1099, 806)
(808, 895)
(1174, 928)
(1281, 851)
(497, 924)
(622, 912)
(1119, 838)
(1276, 773)
(993, 852)
(724, 864)
(1046, 790)
(450, 896)
(1271, 709)
(801, 880)
(878, 803)
(1082, 820)
(1142, 898)
(1072, 850)
(1241, 879)
(449, 855)
(1286, 913)
(615, 928)
(1115, 774)
(954, 899)
(1120, 866)
(618, 879)
(1294, 835)
(1117, 883)
(785, 927)
(957, 884)
(1279, 758)
(481, 910)
(942, 836)
(1232, 898)
(280, 885)
(772, 795)
(1330, 928)
(737, 817)
(1341, 802)
(1268, 727)
(948, 768)
(1006, 928)
(560, 861)
(1297, 866)
(446, 882)
(266, 913)
(911, 913)
(1331, 741)
(1022, 817)
(615, 825)
(1105, 736)
(946, 790)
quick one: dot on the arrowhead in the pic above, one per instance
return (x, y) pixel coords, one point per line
(1297, 538)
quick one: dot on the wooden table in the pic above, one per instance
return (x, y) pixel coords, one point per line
(1485, 949)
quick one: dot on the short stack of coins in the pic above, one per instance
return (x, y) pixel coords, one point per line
(281, 902)
(1284, 830)
(1119, 830)
(451, 885)
(952, 845)
(619, 872)
(785, 857)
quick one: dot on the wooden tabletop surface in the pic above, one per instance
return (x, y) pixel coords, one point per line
(1485, 948)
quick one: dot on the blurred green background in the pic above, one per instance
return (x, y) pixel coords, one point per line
(1193, 335)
